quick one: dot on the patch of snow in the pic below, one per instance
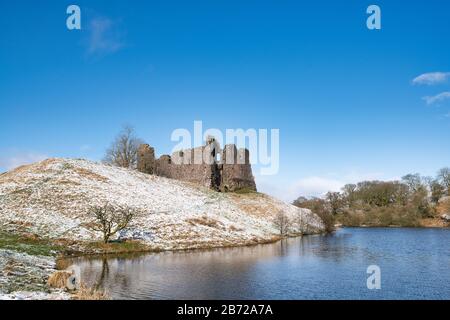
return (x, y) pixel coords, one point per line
(36, 295)
(24, 271)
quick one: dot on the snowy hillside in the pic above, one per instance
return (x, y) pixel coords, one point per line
(51, 198)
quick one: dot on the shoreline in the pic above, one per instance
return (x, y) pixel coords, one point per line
(391, 227)
(205, 248)
(434, 226)
(434, 222)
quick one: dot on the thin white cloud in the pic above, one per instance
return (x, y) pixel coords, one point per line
(431, 78)
(85, 148)
(315, 186)
(308, 187)
(104, 37)
(437, 98)
(17, 160)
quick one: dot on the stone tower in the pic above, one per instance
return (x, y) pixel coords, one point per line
(236, 170)
(146, 162)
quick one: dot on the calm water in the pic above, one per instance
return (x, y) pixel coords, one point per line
(415, 264)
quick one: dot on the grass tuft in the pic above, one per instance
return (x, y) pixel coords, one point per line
(59, 279)
(86, 293)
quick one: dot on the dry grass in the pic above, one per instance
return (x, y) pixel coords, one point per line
(89, 174)
(235, 229)
(85, 293)
(206, 221)
(115, 247)
(443, 206)
(62, 264)
(59, 279)
(433, 223)
(68, 182)
(255, 204)
(11, 176)
(245, 191)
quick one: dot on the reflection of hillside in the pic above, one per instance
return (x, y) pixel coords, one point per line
(167, 271)
(335, 247)
(296, 268)
(213, 272)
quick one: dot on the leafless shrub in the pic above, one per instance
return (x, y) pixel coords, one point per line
(109, 219)
(86, 293)
(59, 279)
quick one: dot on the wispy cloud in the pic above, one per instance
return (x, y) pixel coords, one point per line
(431, 78)
(85, 148)
(315, 186)
(437, 98)
(104, 37)
(17, 160)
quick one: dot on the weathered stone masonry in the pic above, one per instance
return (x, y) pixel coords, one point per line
(200, 166)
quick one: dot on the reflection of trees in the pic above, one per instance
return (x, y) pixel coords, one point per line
(282, 248)
(100, 283)
(110, 279)
(122, 278)
(330, 246)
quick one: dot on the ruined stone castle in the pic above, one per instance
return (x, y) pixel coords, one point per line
(222, 170)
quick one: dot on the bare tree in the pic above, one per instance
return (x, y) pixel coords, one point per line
(300, 221)
(444, 178)
(123, 151)
(109, 219)
(281, 221)
(437, 190)
(349, 193)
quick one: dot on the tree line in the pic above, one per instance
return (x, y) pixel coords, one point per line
(383, 203)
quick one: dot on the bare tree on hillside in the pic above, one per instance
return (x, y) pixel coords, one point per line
(300, 221)
(109, 219)
(281, 221)
(123, 151)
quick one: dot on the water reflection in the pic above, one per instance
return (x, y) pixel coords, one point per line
(311, 267)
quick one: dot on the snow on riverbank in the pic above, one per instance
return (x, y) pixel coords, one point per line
(27, 273)
(36, 295)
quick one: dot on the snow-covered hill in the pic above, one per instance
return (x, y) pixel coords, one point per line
(51, 198)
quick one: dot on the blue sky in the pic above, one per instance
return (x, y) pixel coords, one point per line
(343, 97)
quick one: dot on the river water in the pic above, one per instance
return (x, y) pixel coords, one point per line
(414, 264)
